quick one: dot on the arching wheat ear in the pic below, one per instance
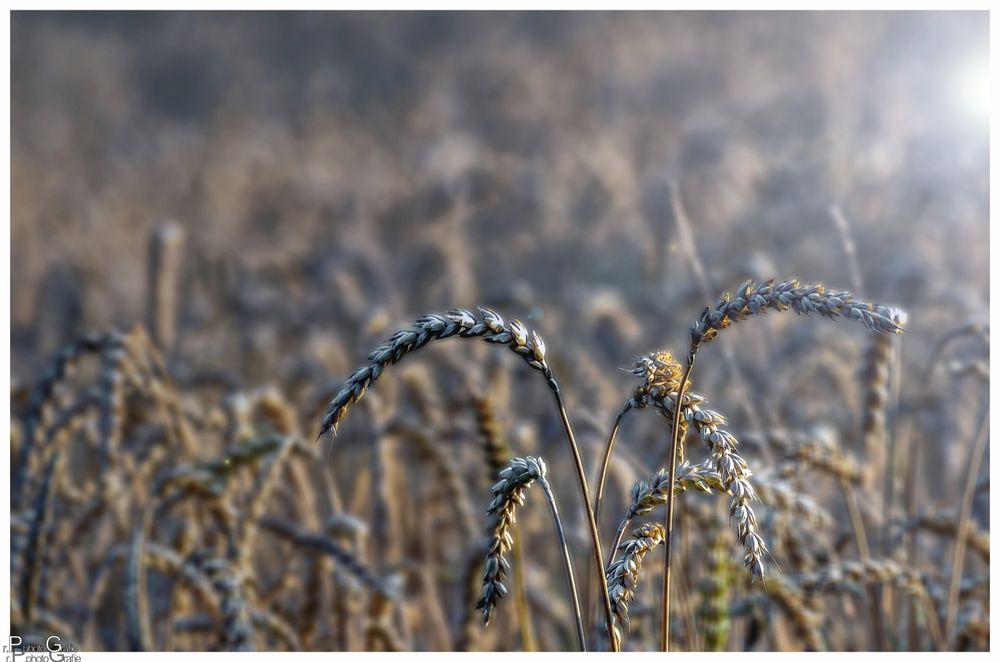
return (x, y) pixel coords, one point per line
(508, 493)
(488, 326)
(752, 299)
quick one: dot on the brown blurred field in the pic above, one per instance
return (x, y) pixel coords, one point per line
(238, 207)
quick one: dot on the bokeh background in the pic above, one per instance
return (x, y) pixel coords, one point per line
(325, 177)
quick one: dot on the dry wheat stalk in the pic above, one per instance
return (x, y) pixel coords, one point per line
(341, 556)
(791, 599)
(964, 518)
(137, 631)
(166, 247)
(875, 378)
(448, 473)
(946, 522)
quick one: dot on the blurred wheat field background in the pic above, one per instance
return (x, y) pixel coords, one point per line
(216, 217)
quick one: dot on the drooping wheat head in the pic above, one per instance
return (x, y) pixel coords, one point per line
(623, 574)
(508, 494)
(458, 323)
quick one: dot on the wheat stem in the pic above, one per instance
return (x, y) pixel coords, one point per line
(669, 517)
(567, 563)
(961, 537)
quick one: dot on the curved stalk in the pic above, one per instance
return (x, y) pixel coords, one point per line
(567, 563)
(595, 535)
(962, 535)
(601, 478)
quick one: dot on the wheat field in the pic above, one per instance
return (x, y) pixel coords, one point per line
(343, 331)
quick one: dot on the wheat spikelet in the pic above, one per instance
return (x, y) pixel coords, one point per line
(325, 545)
(753, 299)
(946, 522)
(496, 450)
(229, 581)
(448, 474)
(647, 494)
(623, 574)
(729, 464)
(817, 449)
(780, 496)
(496, 454)
(457, 323)
(279, 627)
(32, 566)
(42, 403)
(873, 422)
(508, 493)
(713, 613)
(791, 599)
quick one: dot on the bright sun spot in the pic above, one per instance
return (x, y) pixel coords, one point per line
(973, 90)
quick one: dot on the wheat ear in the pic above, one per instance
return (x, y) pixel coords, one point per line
(490, 327)
(623, 574)
(508, 493)
(496, 454)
